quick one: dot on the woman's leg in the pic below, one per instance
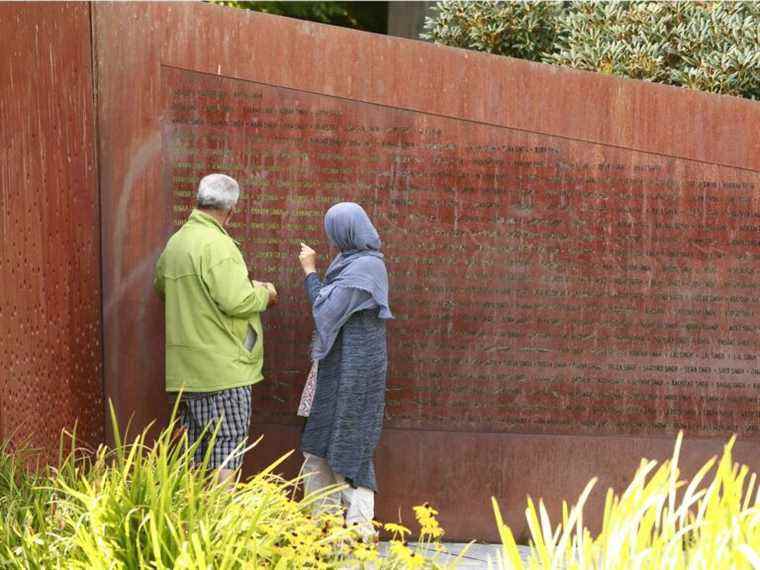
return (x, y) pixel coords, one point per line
(318, 475)
(360, 508)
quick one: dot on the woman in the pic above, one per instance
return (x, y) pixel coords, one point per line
(350, 309)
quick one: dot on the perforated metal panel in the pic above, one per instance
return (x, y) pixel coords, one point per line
(50, 301)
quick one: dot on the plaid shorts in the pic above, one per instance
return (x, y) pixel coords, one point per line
(203, 411)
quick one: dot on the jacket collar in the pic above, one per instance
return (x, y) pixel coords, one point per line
(204, 219)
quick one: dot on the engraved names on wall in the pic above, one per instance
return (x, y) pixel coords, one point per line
(540, 284)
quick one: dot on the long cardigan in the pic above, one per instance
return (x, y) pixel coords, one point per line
(347, 413)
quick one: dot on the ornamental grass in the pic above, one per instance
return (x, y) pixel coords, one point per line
(144, 504)
(660, 522)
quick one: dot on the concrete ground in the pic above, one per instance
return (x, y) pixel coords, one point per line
(476, 557)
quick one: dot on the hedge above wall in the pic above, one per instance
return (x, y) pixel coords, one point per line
(710, 46)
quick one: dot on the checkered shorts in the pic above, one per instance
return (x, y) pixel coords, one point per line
(202, 411)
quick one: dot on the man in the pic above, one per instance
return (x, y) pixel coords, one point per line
(214, 348)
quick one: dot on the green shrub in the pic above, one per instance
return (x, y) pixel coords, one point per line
(144, 504)
(369, 16)
(25, 505)
(526, 30)
(711, 46)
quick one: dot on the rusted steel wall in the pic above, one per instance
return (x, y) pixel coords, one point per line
(50, 323)
(581, 207)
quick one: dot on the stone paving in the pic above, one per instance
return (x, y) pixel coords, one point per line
(476, 557)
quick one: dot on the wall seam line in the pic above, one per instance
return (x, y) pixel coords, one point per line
(98, 186)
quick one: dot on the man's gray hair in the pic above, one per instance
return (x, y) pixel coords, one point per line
(218, 191)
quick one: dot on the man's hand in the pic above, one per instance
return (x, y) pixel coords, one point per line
(270, 289)
(308, 259)
(272, 294)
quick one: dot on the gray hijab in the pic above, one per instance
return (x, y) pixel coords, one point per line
(358, 266)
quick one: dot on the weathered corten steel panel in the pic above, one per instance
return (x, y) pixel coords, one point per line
(50, 313)
(572, 256)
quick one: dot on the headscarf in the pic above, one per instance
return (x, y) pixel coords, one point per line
(359, 265)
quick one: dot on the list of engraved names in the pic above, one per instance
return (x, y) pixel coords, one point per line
(540, 284)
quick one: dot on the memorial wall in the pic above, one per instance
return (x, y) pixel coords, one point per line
(574, 258)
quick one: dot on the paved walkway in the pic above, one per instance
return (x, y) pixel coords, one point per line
(476, 558)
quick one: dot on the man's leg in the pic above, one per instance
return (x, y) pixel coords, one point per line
(233, 409)
(318, 475)
(193, 429)
(228, 476)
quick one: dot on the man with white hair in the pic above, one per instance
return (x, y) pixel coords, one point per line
(214, 348)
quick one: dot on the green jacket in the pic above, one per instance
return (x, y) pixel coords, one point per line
(209, 304)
